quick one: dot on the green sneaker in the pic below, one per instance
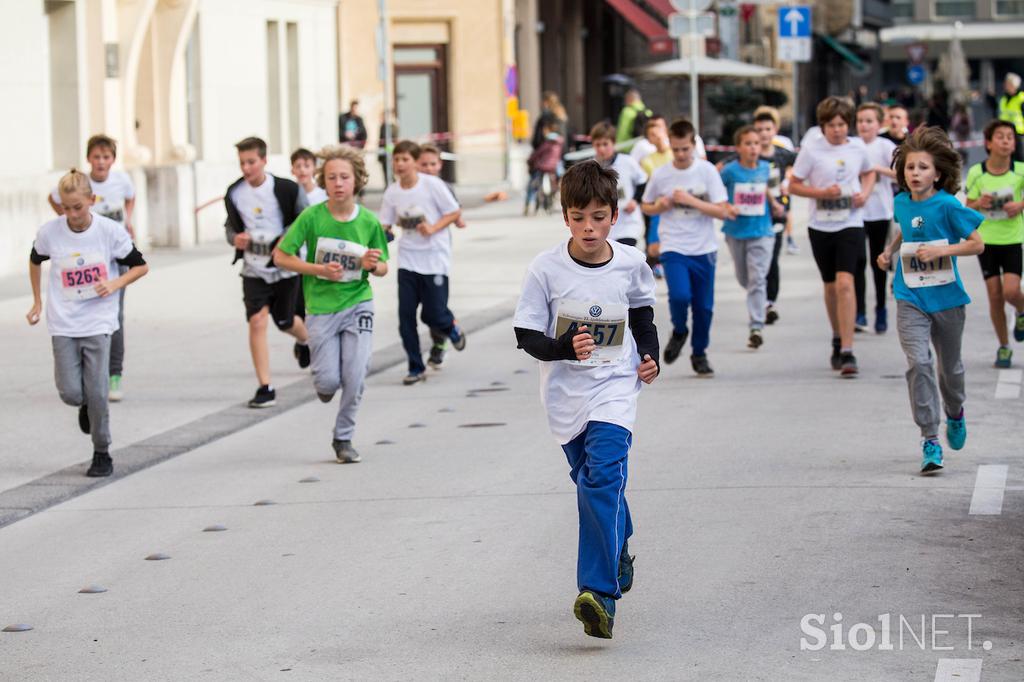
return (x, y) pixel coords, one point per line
(1018, 328)
(1004, 358)
(597, 614)
(115, 394)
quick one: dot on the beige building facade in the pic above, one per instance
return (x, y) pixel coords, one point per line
(178, 82)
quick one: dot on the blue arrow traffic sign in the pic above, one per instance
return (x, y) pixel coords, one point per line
(915, 74)
(795, 22)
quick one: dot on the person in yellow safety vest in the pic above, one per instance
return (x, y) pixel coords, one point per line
(633, 118)
(1011, 109)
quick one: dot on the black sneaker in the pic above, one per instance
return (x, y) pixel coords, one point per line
(771, 315)
(848, 366)
(83, 419)
(701, 366)
(301, 353)
(344, 452)
(325, 397)
(436, 356)
(837, 356)
(755, 340)
(625, 569)
(102, 465)
(265, 397)
(675, 346)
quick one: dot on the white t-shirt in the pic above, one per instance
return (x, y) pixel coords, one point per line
(642, 149)
(686, 230)
(880, 203)
(427, 200)
(317, 196)
(821, 164)
(111, 195)
(573, 393)
(628, 225)
(264, 223)
(79, 261)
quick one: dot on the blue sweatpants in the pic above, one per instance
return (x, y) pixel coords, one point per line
(430, 292)
(691, 283)
(597, 461)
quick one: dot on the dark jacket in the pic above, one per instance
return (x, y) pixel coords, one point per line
(290, 198)
(360, 139)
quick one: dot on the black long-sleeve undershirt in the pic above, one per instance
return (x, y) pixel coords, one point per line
(547, 349)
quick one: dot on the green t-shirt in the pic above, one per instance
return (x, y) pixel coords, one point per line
(998, 228)
(326, 239)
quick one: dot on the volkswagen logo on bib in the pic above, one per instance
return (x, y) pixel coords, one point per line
(81, 261)
(595, 311)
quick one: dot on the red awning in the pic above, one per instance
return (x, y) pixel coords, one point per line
(655, 32)
(662, 7)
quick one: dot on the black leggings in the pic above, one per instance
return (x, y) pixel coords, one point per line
(773, 271)
(876, 232)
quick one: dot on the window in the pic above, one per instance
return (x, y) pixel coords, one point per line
(954, 8)
(902, 9)
(1010, 8)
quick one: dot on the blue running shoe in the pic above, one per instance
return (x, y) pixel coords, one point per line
(861, 324)
(625, 568)
(932, 460)
(1018, 328)
(597, 614)
(956, 431)
(881, 320)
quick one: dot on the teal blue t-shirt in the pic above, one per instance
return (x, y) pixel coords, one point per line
(940, 217)
(748, 191)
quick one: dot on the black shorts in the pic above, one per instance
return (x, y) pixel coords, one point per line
(1001, 259)
(837, 251)
(282, 297)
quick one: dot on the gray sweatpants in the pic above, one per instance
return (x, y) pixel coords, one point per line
(944, 330)
(81, 370)
(752, 259)
(340, 346)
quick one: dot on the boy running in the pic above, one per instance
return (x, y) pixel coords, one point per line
(835, 172)
(430, 163)
(686, 194)
(878, 212)
(424, 208)
(930, 298)
(995, 188)
(344, 244)
(115, 199)
(749, 234)
(81, 313)
(578, 300)
(261, 207)
(304, 171)
(629, 228)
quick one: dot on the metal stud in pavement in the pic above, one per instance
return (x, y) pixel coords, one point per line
(481, 425)
(417, 425)
(92, 589)
(215, 528)
(18, 627)
(309, 479)
(520, 371)
(385, 442)
(446, 410)
(159, 556)
(263, 503)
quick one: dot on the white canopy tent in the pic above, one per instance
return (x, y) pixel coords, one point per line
(706, 67)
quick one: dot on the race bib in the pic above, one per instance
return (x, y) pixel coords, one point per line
(347, 254)
(1000, 198)
(917, 274)
(836, 210)
(79, 275)
(750, 198)
(606, 324)
(697, 192)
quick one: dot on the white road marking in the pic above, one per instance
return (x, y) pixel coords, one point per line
(958, 670)
(1009, 383)
(989, 487)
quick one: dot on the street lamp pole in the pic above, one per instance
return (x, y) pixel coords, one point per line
(383, 48)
